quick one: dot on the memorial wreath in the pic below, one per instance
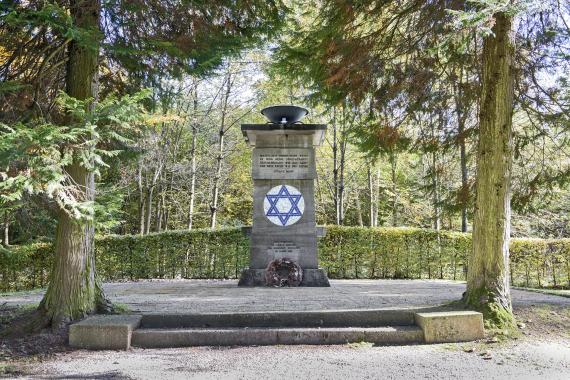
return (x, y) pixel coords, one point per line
(283, 272)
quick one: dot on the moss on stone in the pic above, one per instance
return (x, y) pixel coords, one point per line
(495, 316)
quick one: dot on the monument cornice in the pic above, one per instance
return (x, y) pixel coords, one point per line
(251, 131)
(273, 127)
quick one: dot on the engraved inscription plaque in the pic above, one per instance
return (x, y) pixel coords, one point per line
(277, 163)
(288, 249)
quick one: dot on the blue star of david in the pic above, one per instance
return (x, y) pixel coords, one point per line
(283, 193)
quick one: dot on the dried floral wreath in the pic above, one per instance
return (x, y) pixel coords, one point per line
(283, 272)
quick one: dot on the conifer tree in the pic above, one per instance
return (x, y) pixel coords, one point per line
(392, 54)
(71, 40)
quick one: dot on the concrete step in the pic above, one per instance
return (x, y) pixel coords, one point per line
(160, 338)
(321, 318)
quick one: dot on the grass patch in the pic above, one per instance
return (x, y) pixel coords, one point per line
(121, 308)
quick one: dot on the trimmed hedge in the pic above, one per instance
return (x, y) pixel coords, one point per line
(201, 253)
(345, 252)
(25, 267)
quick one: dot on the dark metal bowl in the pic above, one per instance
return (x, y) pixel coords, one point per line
(291, 114)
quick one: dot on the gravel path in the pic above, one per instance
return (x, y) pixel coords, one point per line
(537, 360)
(225, 296)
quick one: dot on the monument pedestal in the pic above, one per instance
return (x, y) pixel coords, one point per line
(284, 225)
(311, 277)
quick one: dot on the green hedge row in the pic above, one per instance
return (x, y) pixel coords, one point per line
(355, 252)
(345, 252)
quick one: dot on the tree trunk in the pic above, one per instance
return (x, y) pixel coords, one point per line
(193, 160)
(359, 210)
(435, 182)
(149, 195)
(393, 165)
(73, 290)
(217, 176)
(165, 204)
(371, 195)
(159, 207)
(436, 201)
(377, 197)
(141, 199)
(435, 187)
(464, 183)
(219, 158)
(342, 164)
(6, 237)
(6, 234)
(488, 275)
(335, 170)
(461, 119)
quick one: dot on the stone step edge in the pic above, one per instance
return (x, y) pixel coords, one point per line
(320, 318)
(116, 331)
(162, 338)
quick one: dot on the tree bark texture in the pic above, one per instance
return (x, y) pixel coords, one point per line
(488, 273)
(73, 291)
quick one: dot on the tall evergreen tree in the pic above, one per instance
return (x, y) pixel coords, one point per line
(144, 38)
(395, 54)
(488, 274)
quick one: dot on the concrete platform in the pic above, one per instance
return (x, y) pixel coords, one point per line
(104, 332)
(450, 326)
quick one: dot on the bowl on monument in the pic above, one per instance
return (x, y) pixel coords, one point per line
(284, 114)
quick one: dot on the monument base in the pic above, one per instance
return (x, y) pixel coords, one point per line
(311, 277)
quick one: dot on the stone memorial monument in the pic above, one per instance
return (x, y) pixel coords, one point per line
(284, 232)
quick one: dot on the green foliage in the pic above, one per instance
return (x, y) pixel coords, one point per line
(354, 252)
(194, 37)
(25, 267)
(34, 155)
(345, 252)
(202, 253)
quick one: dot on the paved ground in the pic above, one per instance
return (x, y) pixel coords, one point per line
(542, 351)
(225, 296)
